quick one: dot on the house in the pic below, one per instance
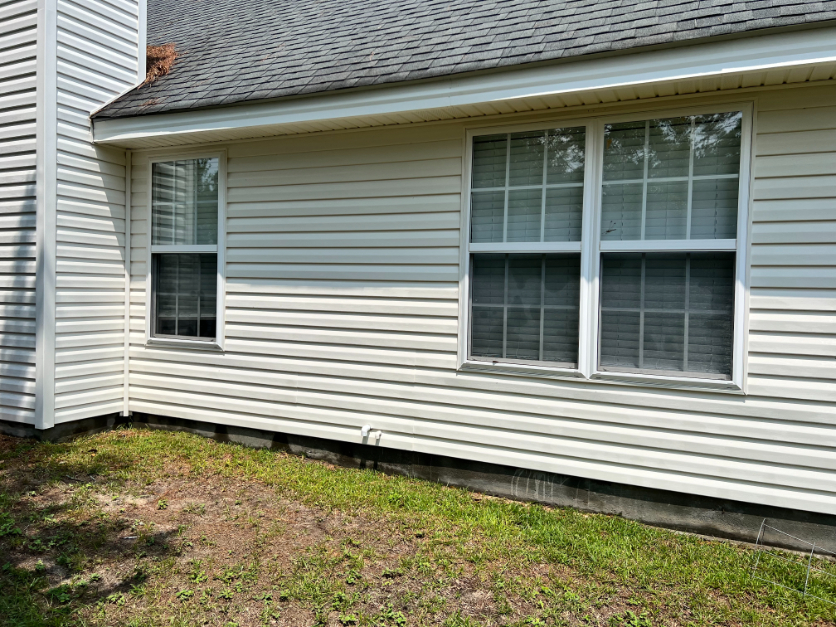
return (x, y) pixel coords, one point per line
(580, 252)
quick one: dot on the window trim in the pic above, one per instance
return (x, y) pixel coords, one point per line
(591, 248)
(220, 249)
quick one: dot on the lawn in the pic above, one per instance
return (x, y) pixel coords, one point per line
(136, 527)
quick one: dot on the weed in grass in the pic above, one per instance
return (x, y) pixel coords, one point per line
(630, 619)
(459, 620)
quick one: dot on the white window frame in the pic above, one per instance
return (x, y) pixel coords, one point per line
(591, 246)
(218, 343)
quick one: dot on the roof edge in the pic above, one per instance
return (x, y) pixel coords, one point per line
(101, 113)
(702, 59)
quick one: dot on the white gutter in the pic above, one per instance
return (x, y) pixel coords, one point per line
(710, 59)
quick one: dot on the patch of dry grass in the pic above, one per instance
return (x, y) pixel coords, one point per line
(153, 528)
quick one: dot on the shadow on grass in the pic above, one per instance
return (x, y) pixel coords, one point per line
(54, 535)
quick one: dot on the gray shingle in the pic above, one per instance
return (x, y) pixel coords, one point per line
(234, 51)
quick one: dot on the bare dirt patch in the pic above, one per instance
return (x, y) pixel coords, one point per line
(161, 529)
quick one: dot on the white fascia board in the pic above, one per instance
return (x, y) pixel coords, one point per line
(712, 58)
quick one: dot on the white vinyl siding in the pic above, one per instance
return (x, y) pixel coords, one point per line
(342, 309)
(97, 60)
(18, 49)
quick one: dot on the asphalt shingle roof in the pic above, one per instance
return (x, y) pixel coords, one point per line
(234, 51)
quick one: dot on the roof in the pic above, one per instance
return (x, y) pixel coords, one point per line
(236, 51)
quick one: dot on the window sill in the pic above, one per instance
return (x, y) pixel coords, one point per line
(504, 367)
(667, 382)
(610, 378)
(212, 347)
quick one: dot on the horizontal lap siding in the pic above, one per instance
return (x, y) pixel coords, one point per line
(342, 310)
(793, 300)
(18, 50)
(97, 60)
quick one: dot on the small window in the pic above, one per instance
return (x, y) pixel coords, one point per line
(184, 249)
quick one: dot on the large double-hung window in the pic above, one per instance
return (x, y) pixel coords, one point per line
(184, 249)
(609, 248)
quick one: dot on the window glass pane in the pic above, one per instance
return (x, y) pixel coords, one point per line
(525, 209)
(717, 143)
(698, 158)
(561, 308)
(184, 202)
(185, 295)
(523, 333)
(486, 331)
(621, 212)
(525, 279)
(566, 155)
(490, 154)
(624, 150)
(517, 215)
(620, 333)
(663, 346)
(527, 158)
(563, 287)
(664, 280)
(667, 210)
(623, 275)
(487, 215)
(488, 279)
(667, 312)
(564, 214)
(714, 209)
(711, 285)
(669, 147)
(525, 307)
(710, 340)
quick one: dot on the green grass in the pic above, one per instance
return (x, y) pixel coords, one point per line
(278, 539)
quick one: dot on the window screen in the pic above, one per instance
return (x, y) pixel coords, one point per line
(184, 248)
(525, 307)
(185, 295)
(667, 312)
